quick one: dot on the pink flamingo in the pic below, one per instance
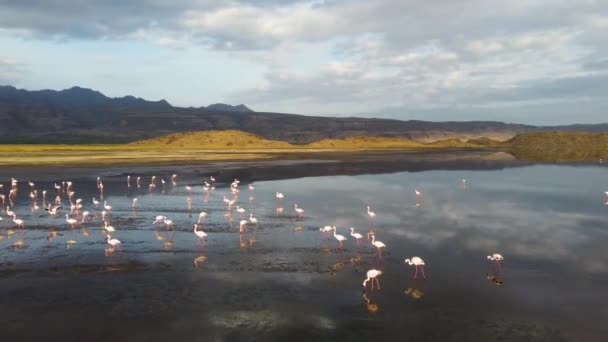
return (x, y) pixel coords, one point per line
(339, 237)
(243, 226)
(378, 245)
(201, 217)
(299, 212)
(371, 215)
(280, 198)
(418, 263)
(202, 236)
(497, 258)
(372, 275)
(357, 236)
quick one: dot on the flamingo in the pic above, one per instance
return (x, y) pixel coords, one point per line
(240, 210)
(372, 275)
(128, 181)
(418, 263)
(251, 187)
(497, 258)
(189, 188)
(95, 202)
(418, 193)
(378, 245)
(299, 211)
(134, 203)
(72, 222)
(280, 197)
(339, 237)
(201, 235)
(18, 222)
(357, 236)
(113, 242)
(103, 215)
(243, 226)
(54, 210)
(108, 228)
(85, 215)
(159, 219)
(252, 219)
(326, 229)
(201, 217)
(174, 179)
(371, 215)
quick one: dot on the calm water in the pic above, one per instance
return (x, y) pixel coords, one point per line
(285, 279)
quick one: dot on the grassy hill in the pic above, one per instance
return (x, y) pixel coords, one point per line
(560, 146)
(230, 139)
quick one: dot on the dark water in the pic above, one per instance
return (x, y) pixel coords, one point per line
(286, 280)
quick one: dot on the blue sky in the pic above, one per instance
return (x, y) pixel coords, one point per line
(535, 61)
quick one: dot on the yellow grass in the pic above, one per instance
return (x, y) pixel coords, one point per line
(198, 146)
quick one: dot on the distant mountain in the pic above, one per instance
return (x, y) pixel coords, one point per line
(81, 115)
(228, 108)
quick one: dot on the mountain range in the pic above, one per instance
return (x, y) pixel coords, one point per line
(81, 115)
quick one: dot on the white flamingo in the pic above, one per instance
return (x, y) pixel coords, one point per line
(108, 228)
(326, 229)
(371, 215)
(339, 237)
(202, 236)
(106, 206)
(113, 242)
(497, 258)
(201, 217)
(280, 197)
(378, 245)
(418, 193)
(240, 210)
(72, 222)
(418, 263)
(252, 219)
(299, 211)
(159, 219)
(357, 236)
(372, 275)
(18, 222)
(243, 226)
(134, 203)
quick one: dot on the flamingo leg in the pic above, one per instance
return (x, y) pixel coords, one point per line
(380, 253)
(372, 284)
(416, 272)
(423, 275)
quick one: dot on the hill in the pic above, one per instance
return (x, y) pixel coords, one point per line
(560, 146)
(211, 140)
(81, 115)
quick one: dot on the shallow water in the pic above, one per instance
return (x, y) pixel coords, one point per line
(286, 279)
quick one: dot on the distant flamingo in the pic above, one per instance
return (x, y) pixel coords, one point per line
(418, 263)
(251, 187)
(378, 245)
(18, 222)
(107, 227)
(280, 197)
(371, 215)
(252, 219)
(95, 202)
(159, 219)
(240, 210)
(299, 212)
(202, 236)
(326, 229)
(339, 237)
(357, 236)
(113, 242)
(497, 258)
(106, 206)
(54, 210)
(134, 203)
(243, 226)
(201, 217)
(72, 222)
(372, 275)
(418, 193)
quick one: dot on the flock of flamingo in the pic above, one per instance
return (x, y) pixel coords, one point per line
(77, 216)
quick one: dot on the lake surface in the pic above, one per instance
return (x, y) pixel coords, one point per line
(284, 279)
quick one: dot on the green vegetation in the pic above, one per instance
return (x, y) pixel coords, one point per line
(559, 146)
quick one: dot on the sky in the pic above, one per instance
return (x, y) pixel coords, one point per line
(534, 61)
